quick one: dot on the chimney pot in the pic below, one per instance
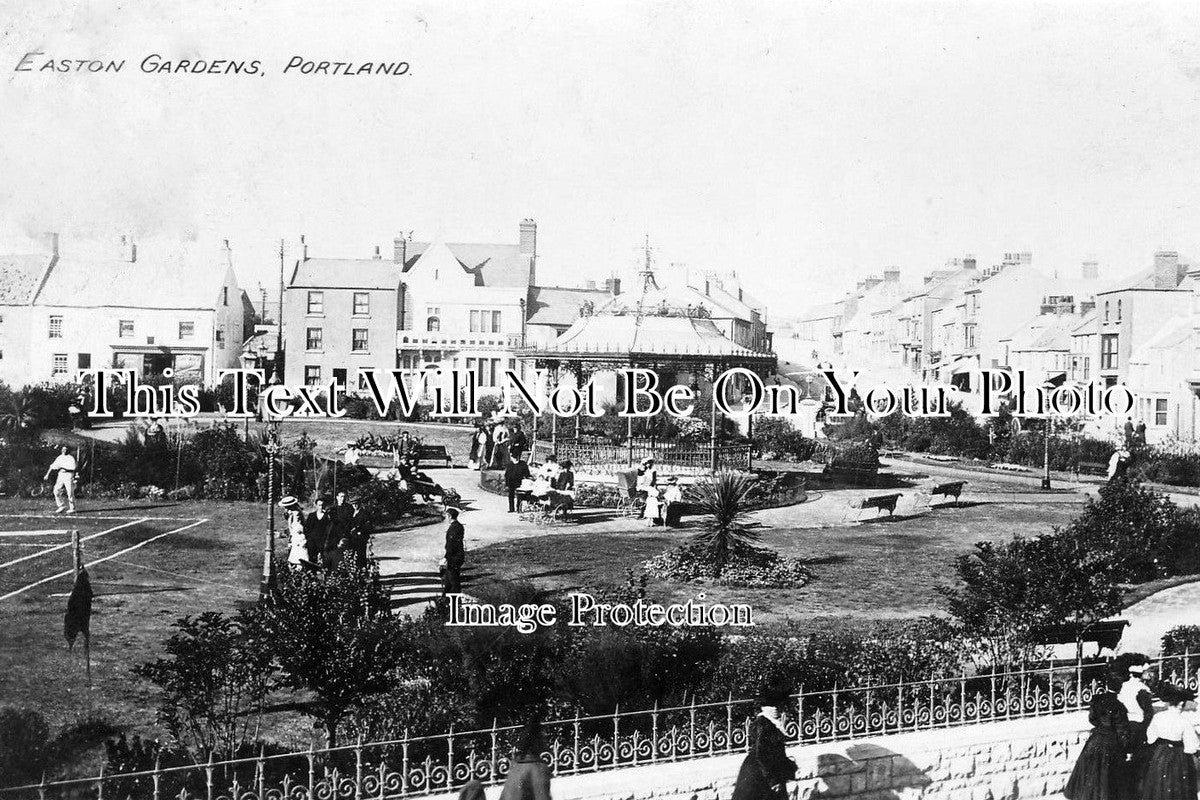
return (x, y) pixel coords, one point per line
(303, 248)
(377, 255)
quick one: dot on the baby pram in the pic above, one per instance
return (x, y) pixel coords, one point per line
(630, 502)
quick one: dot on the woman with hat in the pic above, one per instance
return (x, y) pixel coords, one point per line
(1170, 772)
(767, 768)
(293, 523)
(1135, 695)
(1099, 773)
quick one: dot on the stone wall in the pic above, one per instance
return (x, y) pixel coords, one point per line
(996, 761)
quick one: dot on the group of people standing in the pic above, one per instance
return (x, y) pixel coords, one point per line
(494, 442)
(1135, 751)
(331, 534)
(664, 499)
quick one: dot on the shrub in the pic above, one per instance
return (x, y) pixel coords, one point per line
(776, 437)
(24, 745)
(382, 502)
(1181, 639)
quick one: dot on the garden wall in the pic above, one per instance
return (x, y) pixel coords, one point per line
(1004, 761)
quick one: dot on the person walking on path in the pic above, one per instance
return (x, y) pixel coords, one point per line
(456, 554)
(528, 775)
(318, 532)
(515, 473)
(767, 768)
(293, 523)
(64, 484)
(1135, 695)
(1099, 773)
(1170, 772)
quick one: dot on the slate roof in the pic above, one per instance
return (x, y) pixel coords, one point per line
(559, 306)
(651, 335)
(19, 277)
(184, 276)
(499, 265)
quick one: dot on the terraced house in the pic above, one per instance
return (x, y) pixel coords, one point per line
(124, 305)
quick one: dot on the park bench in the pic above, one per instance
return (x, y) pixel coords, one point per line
(948, 490)
(433, 452)
(881, 502)
(854, 474)
(1105, 635)
(1091, 468)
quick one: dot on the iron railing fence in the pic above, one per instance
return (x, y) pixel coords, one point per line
(672, 457)
(413, 766)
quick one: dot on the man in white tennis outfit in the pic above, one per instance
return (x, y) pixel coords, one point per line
(64, 484)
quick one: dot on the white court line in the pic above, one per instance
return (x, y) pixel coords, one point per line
(68, 544)
(62, 532)
(61, 517)
(101, 560)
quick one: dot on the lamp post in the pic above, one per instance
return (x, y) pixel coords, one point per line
(268, 573)
(1049, 422)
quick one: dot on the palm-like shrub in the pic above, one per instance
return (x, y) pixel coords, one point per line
(723, 501)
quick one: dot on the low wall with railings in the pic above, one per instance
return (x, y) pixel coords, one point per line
(1001, 760)
(586, 745)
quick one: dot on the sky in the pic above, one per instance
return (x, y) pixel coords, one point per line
(803, 145)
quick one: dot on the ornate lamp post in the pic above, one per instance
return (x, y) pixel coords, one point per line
(272, 447)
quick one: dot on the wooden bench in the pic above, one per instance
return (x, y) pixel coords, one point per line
(882, 502)
(948, 490)
(1091, 468)
(433, 452)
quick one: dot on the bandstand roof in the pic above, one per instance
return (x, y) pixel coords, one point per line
(631, 338)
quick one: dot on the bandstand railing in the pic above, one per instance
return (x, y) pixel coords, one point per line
(420, 765)
(607, 458)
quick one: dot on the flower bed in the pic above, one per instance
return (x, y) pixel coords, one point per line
(747, 567)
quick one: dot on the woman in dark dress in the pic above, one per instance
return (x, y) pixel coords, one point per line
(1099, 773)
(767, 768)
(1171, 769)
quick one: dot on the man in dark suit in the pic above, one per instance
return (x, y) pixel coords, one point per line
(515, 472)
(346, 528)
(319, 533)
(518, 442)
(456, 554)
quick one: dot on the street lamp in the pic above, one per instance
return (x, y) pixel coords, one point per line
(272, 447)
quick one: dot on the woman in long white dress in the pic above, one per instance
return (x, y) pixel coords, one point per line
(293, 523)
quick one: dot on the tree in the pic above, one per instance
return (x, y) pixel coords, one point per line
(1008, 591)
(723, 500)
(213, 684)
(331, 633)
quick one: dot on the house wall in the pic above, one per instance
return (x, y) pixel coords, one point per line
(16, 330)
(337, 322)
(1143, 313)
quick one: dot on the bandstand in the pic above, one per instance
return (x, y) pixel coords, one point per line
(670, 331)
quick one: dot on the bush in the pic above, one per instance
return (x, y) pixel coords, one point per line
(775, 437)
(1181, 639)
(24, 745)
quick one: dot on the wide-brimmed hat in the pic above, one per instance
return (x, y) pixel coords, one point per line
(775, 695)
(1172, 694)
(648, 460)
(289, 502)
(673, 479)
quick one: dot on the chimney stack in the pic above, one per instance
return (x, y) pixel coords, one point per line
(891, 275)
(968, 262)
(52, 244)
(128, 249)
(1166, 269)
(528, 246)
(1090, 270)
(872, 281)
(613, 286)
(400, 250)
(303, 248)
(377, 255)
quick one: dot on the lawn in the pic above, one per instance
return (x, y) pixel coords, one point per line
(862, 574)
